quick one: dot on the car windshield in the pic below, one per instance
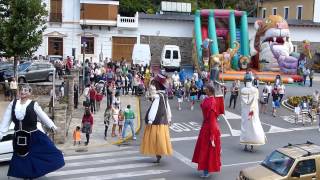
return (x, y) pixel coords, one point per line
(23, 66)
(278, 163)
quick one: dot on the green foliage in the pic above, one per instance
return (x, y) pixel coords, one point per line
(130, 7)
(296, 100)
(22, 24)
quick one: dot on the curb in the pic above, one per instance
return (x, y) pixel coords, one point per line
(285, 104)
(138, 128)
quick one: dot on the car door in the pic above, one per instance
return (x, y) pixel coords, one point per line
(167, 57)
(31, 73)
(43, 71)
(305, 170)
(175, 58)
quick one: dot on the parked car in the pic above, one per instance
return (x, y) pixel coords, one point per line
(170, 57)
(33, 71)
(6, 149)
(294, 161)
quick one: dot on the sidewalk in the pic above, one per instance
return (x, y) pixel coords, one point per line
(97, 136)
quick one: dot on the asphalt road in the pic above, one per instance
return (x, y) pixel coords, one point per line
(127, 163)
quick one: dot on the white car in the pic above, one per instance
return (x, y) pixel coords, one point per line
(6, 143)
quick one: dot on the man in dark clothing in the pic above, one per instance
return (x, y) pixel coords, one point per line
(234, 94)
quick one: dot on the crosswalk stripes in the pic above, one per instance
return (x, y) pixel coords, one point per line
(119, 164)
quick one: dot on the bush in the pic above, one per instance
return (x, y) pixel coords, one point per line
(296, 100)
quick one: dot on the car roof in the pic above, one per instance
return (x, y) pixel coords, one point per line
(300, 150)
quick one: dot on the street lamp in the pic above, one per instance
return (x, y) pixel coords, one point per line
(83, 46)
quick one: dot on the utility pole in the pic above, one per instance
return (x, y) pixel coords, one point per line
(83, 46)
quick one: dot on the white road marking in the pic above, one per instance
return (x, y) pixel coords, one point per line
(275, 129)
(184, 159)
(99, 169)
(230, 115)
(305, 128)
(192, 138)
(108, 154)
(188, 162)
(104, 161)
(122, 175)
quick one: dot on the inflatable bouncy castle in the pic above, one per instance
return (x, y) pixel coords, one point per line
(221, 39)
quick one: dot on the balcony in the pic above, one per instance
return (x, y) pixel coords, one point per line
(128, 22)
(55, 17)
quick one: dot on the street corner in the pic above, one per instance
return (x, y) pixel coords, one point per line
(135, 102)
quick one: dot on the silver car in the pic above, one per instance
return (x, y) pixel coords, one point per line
(33, 71)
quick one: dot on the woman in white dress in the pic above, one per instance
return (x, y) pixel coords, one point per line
(251, 129)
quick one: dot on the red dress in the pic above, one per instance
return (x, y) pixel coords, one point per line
(206, 156)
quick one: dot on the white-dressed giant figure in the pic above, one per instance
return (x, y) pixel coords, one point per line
(251, 129)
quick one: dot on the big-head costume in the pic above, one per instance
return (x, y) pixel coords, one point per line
(251, 129)
(156, 138)
(34, 154)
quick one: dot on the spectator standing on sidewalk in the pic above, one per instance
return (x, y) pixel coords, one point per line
(311, 77)
(193, 93)
(92, 95)
(76, 95)
(115, 118)
(107, 119)
(306, 73)
(281, 90)
(109, 94)
(13, 89)
(129, 117)
(135, 84)
(269, 90)
(61, 90)
(6, 90)
(264, 100)
(187, 86)
(68, 65)
(234, 94)
(87, 124)
(120, 123)
(275, 101)
(180, 94)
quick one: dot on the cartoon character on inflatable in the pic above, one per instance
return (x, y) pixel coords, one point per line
(272, 46)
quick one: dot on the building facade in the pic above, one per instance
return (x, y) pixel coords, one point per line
(290, 9)
(89, 28)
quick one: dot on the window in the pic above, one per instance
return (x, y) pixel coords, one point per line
(90, 45)
(286, 12)
(299, 12)
(175, 55)
(304, 167)
(274, 11)
(56, 11)
(168, 54)
(33, 67)
(263, 15)
(278, 163)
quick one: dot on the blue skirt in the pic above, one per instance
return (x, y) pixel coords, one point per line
(42, 159)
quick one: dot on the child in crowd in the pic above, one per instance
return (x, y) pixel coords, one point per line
(264, 100)
(120, 122)
(275, 101)
(77, 136)
(180, 94)
(193, 93)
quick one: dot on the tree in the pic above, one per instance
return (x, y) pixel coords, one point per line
(4, 13)
(22, 30)
(130, 7)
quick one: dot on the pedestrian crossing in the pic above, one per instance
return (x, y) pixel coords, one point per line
(124, 163)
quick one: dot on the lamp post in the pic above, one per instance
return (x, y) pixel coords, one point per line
(83, 46)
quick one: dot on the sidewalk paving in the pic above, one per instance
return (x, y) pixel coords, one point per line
(97, 136)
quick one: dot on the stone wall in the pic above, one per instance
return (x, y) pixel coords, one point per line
(157, 42)
(39, 89)
(60, 116)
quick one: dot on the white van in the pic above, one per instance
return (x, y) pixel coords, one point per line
(170, 57)
(141, 54)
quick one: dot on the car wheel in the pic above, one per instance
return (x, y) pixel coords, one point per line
(50, 78)
(22, 80)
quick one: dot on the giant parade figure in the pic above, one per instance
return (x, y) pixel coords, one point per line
(34, 154)
(156, 138)
(251, 129)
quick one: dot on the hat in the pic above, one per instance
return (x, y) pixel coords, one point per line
(160, 80)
